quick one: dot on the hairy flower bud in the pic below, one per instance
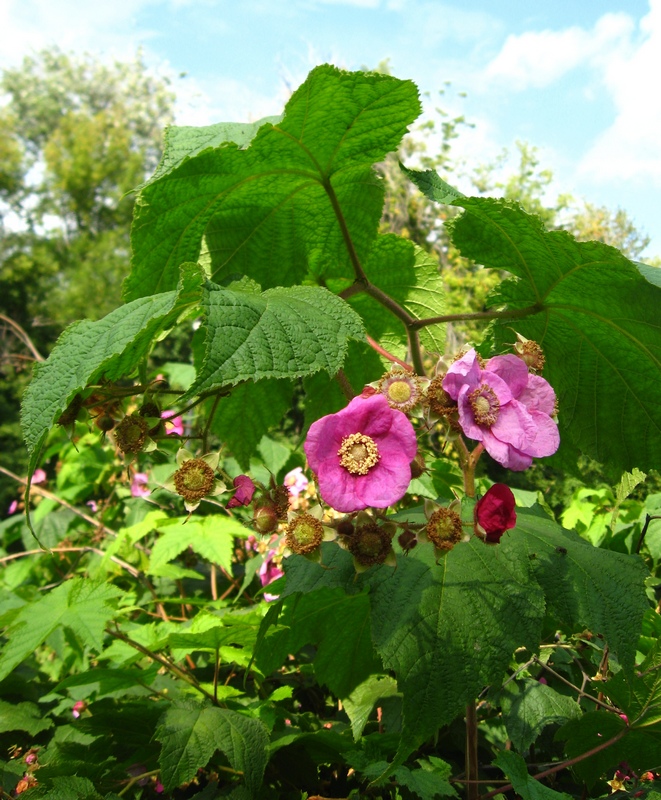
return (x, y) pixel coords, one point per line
(265, 518)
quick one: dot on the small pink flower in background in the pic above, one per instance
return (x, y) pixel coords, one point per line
(78, 708)
(93, 505)
(269, 572)
(159, 788)
(38, 476)
(13, 507)
(495, 513)
(362, 455)
(173, 424)
(296, 482)
(245, 489)
(543, 680)
(505, 408)
(139, 485)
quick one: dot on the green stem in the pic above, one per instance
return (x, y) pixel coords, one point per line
(173, 668)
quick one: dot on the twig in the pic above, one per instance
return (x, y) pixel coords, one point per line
(83, 549)
(563, 765)
(20, 334)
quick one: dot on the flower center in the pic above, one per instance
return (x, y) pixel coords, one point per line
(402, 391)
(194, 479)
(304, 534)
(131, 434)
(358, 453)
(444, 529)
(485, 405)
(370, 545)
(438, 399)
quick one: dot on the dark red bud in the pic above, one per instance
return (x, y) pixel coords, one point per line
(495, 512)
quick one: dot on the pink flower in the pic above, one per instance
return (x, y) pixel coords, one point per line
(139, 485)
(295, 481)
(173, 424)
(269, 572)
(362, 454)
(39, 476)
(505, 408)
(495, 513)
(13, 507)
(93, 505)
(78, 708)
(245, 489)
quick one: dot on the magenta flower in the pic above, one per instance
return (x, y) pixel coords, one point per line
(495, 513)
(505, 408)
(245, 489)
(295, 481)
(38, 476)
(139, 485)
(269, 572)
(362, 455)
(78, 708)
(173, 424)
(13, 508)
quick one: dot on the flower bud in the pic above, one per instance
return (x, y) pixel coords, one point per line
(530, 353)
(265, 518)
(494, 513)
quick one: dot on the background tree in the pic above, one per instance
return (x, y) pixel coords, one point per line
(76, 136)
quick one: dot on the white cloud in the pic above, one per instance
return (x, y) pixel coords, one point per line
(536, 59)
(30, 25)
(630, 149)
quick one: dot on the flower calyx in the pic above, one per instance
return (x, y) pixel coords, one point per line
(132, 435)
(370, 543)
(305, 533)
(403, 390)
(444, 528)
(195, 478)
(530, 353)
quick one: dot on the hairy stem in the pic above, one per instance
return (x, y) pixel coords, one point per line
(514, 313)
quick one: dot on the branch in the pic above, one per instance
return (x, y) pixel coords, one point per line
(20, 334)
(515, 313)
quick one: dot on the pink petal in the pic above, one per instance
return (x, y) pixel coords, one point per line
(505, 454)
(547, 437)
(465, 370)
(538, 395)
(512, 370)
(514, 426)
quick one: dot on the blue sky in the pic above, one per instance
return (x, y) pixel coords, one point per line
(579, 80)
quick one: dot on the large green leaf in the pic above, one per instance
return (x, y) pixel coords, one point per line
(529, 708)
(190, 734)
(524, 784)
(211, 536)
(185, 141)
(584, 586)
(338, 623)
(411, 277)
(281, 333)
(594, 312)
(251, 410)
(449, 629)
(26, 717)
(109, 348)
(288, 204)
(81, 605)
